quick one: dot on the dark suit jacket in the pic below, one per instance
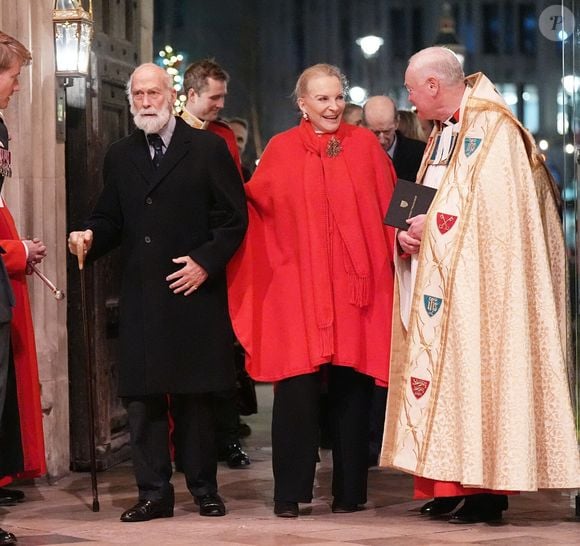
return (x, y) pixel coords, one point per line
(193, 204)
(6, 294)
(407, 157)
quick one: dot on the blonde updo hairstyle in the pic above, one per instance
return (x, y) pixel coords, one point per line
(321, 69)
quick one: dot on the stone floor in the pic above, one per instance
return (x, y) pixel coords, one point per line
(61, 513)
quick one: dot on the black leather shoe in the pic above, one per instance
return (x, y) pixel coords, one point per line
(484, 508)
(440, 506)
(147, 510)
(10, 496)
(7, 538)
(339, 507)
(285, 509)
(210, 505)
(235, 456)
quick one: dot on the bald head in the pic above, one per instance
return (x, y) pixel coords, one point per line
(438, 61)
(381, 117)
(435, 82)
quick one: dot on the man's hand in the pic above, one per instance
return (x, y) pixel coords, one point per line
(79, 243)
(410, 240)
(187, 279)
(36, 250)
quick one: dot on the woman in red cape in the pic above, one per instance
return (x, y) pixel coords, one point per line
(311, 289)
(23, 444)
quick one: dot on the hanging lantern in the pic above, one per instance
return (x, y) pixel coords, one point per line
(73, 32)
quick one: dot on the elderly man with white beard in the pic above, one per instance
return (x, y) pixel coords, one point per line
(174, 202)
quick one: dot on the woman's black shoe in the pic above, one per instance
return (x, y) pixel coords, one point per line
(345, 507)
(285, 509)
(440, 506)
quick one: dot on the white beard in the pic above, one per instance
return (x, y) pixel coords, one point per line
(148, 123)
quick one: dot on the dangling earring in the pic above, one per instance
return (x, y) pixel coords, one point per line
(305, 116)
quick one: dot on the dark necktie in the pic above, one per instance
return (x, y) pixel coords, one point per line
(155, 141)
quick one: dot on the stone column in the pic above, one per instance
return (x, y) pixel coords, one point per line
(146, 31)
(37, 199)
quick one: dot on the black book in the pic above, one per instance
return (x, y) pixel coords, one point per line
(409, 199)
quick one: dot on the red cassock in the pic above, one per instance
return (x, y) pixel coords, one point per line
(312, 282)
(424, 488)
(24, 354)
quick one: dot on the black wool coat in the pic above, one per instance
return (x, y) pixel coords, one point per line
(193, 204)
(407, 157)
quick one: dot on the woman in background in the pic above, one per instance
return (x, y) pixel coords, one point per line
(410, 126)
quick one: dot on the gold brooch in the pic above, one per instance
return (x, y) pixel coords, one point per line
(333, 148)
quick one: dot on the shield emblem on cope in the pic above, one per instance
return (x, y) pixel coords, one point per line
(432, 304)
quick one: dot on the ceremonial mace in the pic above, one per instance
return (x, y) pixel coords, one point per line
(58, 294)
(89, 374)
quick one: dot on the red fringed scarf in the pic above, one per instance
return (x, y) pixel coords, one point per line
(333, 198)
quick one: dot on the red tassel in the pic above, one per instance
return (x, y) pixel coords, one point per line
(359, 290)
(326, 340)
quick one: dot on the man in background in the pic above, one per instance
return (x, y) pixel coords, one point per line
(380, 115)
(353, 114)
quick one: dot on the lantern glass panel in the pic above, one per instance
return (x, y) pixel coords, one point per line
(84, 48)
(67, 46)
(66, 4)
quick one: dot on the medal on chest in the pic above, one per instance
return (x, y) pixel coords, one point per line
(5, 164)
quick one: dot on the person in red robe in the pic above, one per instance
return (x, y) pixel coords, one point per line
(206, 84)
(310, 290)
(21, 435)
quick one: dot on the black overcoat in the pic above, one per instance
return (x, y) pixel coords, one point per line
(407, 157)
(193, 204)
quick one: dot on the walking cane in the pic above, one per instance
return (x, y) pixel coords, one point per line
(89, 374)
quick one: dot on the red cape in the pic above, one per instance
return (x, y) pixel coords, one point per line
(302, 230)
(222, 129)
(24, 352)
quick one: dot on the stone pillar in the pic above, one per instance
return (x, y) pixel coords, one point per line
(36, 197)
(146, 52)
